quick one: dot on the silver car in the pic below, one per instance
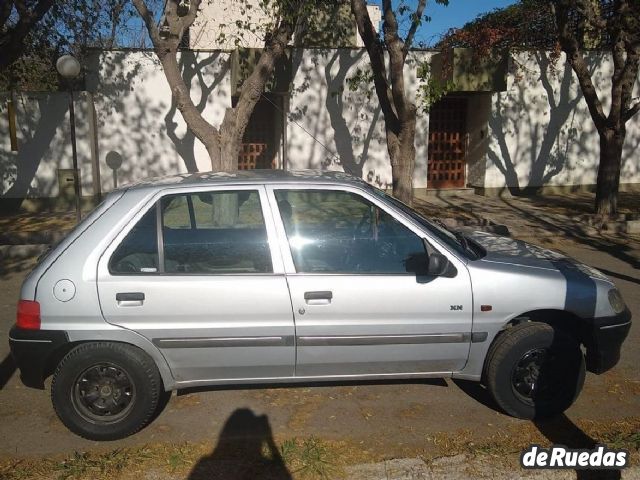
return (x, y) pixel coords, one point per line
(286, 277)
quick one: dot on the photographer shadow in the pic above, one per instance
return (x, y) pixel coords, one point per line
(562, 431)
(245, 450)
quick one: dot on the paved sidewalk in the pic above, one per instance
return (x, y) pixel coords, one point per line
(568, 215)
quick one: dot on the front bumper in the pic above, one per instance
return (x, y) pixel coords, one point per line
(603, 339)
(33, 351)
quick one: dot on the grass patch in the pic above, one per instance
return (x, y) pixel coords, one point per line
(309, 457)
(507, 442)
(303, 458)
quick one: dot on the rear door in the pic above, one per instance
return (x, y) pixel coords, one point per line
(195, 274)
(361, 304)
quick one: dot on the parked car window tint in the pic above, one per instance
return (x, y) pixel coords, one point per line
(215, 233)
(340, 232)
(138, 252)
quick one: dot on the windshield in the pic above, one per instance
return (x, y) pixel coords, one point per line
(453, 240)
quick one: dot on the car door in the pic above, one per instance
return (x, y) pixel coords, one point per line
(196, 275)
(361, 301)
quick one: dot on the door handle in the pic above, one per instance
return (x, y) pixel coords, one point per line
(318, 298)
(130, 299)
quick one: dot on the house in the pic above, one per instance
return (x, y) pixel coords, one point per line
(518, 124)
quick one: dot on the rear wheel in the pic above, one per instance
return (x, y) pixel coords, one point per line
(534, 371)
(106, 391)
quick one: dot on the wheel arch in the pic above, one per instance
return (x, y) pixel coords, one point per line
(124, 337)
(562, 320)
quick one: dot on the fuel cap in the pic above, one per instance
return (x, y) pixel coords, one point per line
(64, 290)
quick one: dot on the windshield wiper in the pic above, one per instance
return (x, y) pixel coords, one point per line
(463, 240)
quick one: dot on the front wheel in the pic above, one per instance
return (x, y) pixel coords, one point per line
(534, 371)
(106, 391)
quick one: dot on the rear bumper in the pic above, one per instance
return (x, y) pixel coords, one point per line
(31, 350)
(603, 339)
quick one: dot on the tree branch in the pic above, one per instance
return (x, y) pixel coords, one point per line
(253, 87)
(415, 23)
(12, 40)
(5, 12)
(571, 48)
(395, 47)
(376, 57)
(149, 21)
(631, 112)
(167, 54)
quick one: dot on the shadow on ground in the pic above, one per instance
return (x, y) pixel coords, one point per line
(7, 369)
(245, 450)
(478, 392)
(562, 431)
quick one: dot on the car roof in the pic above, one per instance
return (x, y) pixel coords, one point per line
(248, 177)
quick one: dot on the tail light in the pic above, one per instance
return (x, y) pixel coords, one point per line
(28, 315)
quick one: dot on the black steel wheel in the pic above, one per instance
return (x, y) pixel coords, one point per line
(106, 391)
(534, 371)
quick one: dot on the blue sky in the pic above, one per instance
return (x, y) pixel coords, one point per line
(456, 14)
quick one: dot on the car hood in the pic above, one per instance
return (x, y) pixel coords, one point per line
(516, 252)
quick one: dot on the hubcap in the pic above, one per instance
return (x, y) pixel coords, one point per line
(103, 393)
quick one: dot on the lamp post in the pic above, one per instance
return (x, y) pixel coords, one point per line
(69, 68)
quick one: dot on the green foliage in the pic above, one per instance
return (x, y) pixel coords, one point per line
(361, 78)
(319, 23)
(70, 26)
(526, 24)
(430, 87)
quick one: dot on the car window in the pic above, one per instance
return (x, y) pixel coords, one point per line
(138, 252)
(332, 231)
(215, 233)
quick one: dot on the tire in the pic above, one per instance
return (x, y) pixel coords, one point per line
(106, 391)
(534, 371)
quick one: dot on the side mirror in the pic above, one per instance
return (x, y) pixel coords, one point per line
(438, 265)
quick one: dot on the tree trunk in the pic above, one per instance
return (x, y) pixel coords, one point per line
(611, 141)
(222, 144)
(202, 129)
(403, 159)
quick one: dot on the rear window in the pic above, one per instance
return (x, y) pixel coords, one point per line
(138, 252)
(205, 233)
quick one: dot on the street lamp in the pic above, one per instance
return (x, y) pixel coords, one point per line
(69, 68)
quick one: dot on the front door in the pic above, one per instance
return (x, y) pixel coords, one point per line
(360, 305)
(447, 149)
(196, 275)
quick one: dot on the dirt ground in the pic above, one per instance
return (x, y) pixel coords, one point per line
(365, 423)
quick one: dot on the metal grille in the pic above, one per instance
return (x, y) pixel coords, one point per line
(447, 144)
(252, 156)
(259, 144)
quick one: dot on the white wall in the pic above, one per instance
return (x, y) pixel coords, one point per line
(217, 27)
(541, 132)
(328, 122)
(228, 24)
(137, 119)
(530, 140)
(44, 144)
